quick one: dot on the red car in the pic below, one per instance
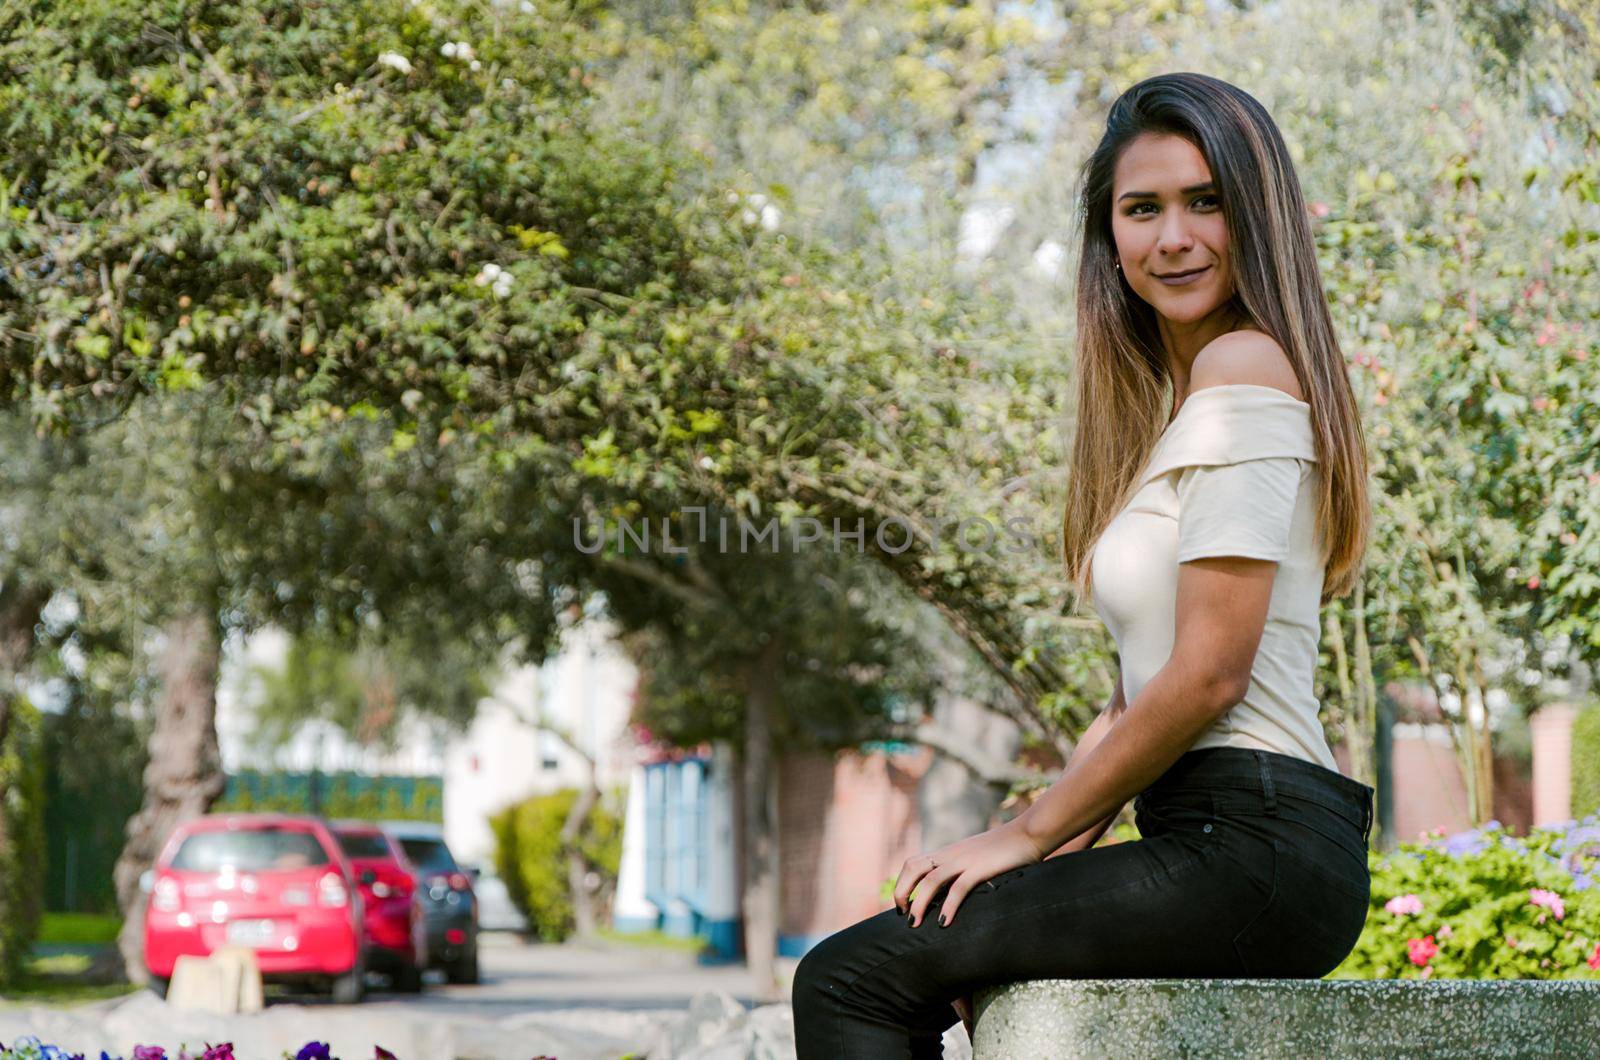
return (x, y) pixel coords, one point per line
(396, 929)
(276, 883)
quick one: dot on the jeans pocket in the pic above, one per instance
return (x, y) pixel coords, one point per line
(995, 882)
(1310, 922)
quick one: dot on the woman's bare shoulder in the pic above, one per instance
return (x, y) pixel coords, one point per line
(1247, 356)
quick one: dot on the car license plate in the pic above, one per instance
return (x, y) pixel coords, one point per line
(251, 932)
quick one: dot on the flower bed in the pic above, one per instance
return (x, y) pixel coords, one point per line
(33, 1049)
(1484, 904)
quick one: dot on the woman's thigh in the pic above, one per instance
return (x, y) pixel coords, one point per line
(1165, 906)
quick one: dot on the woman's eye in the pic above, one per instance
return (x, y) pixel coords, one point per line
(1198, 200)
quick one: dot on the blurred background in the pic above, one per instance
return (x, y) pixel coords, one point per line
(377, 375)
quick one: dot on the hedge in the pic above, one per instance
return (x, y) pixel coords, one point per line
(529, 858)
(1586, 762)
(22, 845)
(346, 795)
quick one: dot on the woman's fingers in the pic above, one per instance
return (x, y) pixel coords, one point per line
(907, 882)
(925, 894)
(952, 900)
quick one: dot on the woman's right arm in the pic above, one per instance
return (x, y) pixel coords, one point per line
(1092, 735)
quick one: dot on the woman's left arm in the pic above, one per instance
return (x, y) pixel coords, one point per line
(1221, 613)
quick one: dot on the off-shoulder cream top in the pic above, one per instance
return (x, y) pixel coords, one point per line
(1234, 474)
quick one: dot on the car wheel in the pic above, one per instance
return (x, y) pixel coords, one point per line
(158, 985)
(351, 987)
(407, 979)
(464, 969)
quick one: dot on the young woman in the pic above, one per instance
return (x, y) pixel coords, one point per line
(1217, 500)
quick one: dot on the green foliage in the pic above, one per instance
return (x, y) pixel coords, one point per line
(94, 768)
(1586, 762)
(1475, 892)
(354, 796)
(530, 858)
(366, 687)
(22, 847)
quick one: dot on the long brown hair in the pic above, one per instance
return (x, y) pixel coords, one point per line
(1124, 390)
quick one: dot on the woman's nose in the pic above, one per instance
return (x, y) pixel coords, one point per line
(1175, 235)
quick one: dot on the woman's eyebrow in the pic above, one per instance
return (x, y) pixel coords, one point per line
(1191, 189)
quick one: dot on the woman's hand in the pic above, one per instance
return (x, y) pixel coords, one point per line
(963, 865)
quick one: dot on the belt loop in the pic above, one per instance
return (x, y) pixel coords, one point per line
(1268, 792)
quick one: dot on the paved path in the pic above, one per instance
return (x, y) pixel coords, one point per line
(571, 1001)
(519, 978)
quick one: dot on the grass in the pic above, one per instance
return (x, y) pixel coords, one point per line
(63, 978)
(655, 938)
(51, 980)
(81, 929)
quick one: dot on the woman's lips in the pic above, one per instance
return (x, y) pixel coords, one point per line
(1186, 278)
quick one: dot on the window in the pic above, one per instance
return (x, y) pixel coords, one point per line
(256, 850)
(429, 855)
(363, 844)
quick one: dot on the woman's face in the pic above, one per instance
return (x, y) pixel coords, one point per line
(1167, 219)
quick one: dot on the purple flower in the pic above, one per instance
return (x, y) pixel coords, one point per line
(314, 1051)
(149, 1052)
(218, 1052)
(1468, 842)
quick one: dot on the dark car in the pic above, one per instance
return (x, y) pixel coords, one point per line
(448, 900)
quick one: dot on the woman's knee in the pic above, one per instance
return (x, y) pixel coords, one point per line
(820, 969)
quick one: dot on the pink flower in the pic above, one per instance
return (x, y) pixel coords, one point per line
(1549, 900)
(1421, 951)
(1594, 958)
(1319, 209)
(1446, 931)
(1403, 905)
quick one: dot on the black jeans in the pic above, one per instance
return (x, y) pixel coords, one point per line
(1251, 865)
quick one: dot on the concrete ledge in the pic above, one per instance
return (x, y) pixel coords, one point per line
(1291, 1019)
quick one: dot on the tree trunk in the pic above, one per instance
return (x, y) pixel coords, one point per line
(184, 775)
(586, 924)
(761, 895)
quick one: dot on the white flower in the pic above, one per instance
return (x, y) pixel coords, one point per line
(396, 60)
(526, 7)
(448, 49)
(508, 83)
(764, 212)
(707, 463)
(474, 65)
(490, 273)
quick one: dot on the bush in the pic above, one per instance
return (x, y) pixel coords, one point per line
(22, 847)
(1484, 904)
(1586, 762)
(529, 858)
